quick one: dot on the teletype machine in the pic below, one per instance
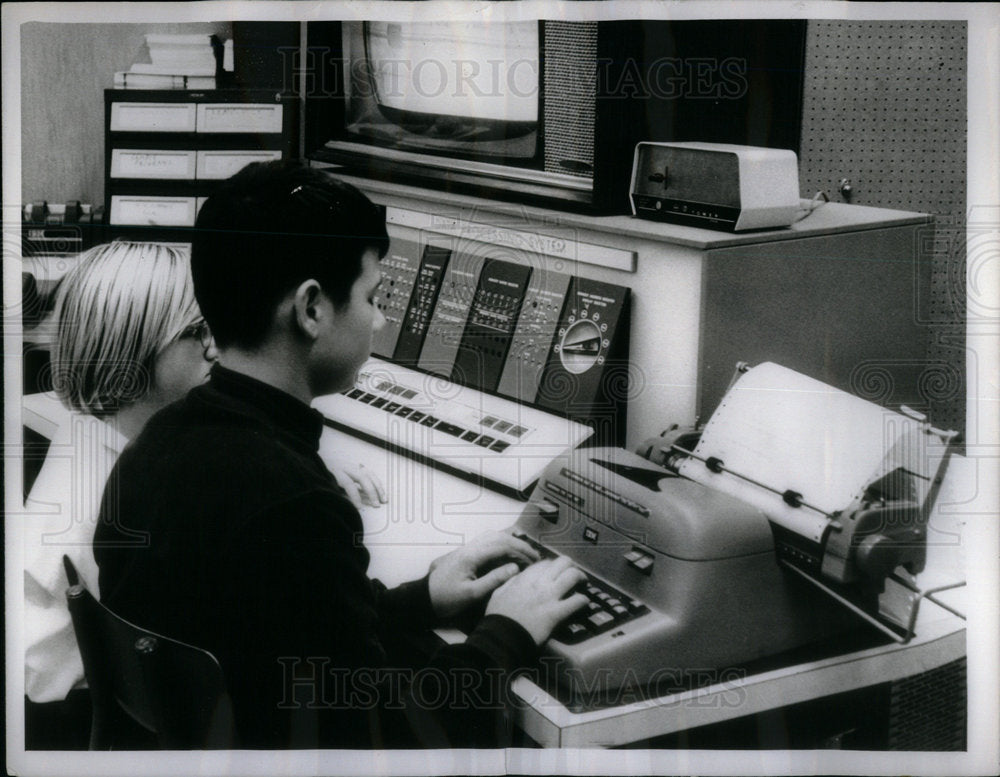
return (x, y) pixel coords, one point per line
(708, 550)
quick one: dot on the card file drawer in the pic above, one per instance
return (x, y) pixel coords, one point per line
(149, 210)
(152, 117)
(167, 150)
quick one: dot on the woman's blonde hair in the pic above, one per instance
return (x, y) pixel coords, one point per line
(116, 310)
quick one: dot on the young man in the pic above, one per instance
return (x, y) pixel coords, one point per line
(221, 527)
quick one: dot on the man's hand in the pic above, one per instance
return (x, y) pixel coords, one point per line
(363, 486)
(455, 580)
(534, 598)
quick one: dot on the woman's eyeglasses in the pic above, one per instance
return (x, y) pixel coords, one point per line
(200, 331)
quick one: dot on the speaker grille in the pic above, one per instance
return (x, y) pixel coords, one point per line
(570, 83)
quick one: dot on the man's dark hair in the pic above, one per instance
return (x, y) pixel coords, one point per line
(267, 229)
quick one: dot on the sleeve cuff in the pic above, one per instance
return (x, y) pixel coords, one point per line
(505, 641)
(409, 605)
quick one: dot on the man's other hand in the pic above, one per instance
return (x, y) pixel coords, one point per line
(362, 486)
(536, 598)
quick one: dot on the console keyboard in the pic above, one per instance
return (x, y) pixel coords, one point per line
(401, 409)
(502, 441)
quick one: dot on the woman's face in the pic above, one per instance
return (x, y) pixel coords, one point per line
(183, 364)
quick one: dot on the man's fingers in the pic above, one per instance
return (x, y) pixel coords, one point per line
(569, 605)
(353, 493)
(553, 568)
(346, 481)
(373, 487)
(565, 580)
(493, 579)
(383, 495)
(559, 576)
(500, 545)
(522, 547)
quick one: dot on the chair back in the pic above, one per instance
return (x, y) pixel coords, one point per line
(175, 692)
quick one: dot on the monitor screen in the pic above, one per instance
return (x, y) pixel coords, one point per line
(468, 88)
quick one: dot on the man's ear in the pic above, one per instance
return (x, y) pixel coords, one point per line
(307, 307)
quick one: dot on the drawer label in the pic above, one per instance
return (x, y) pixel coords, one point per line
(154, 211)
(152, 117)
(126, 163)
(239, 117)
(223, 164)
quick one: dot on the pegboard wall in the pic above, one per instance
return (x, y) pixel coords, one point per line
(884, 108)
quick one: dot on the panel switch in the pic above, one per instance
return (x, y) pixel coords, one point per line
(636, 559)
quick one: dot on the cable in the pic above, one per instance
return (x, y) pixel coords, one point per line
(815, 203)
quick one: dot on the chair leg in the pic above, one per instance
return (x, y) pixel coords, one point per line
(100, 735)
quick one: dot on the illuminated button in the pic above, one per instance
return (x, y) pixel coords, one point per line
(632, 556)
(641, 561)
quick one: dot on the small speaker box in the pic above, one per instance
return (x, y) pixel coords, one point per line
(715, 185)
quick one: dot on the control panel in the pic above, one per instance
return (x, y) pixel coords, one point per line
(423, 297)
(399, 273)
(508, 327)
(490, 326)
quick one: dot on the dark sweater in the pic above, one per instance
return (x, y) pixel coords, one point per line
(221, 527)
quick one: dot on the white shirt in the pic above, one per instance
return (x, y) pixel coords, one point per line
(60, 519)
